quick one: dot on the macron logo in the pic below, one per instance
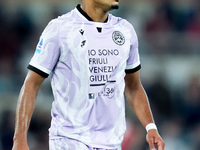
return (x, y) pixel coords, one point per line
(81, 31)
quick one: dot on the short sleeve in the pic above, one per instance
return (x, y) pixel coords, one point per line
(133, 61)
(47, 51)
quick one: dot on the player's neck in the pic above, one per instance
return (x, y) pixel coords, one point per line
(96, 13)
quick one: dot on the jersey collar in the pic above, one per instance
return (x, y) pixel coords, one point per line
(86, 15)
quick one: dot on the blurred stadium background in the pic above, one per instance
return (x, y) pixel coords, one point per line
(169, 38)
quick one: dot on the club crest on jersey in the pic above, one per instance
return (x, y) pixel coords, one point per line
(118, 38)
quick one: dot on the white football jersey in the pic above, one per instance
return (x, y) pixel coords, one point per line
(87, 61)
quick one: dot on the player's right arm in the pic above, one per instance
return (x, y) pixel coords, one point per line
(25, 107)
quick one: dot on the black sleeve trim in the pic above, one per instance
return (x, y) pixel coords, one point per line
(41, 73)
(128, 71)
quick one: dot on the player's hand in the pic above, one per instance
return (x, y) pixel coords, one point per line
(154, 140)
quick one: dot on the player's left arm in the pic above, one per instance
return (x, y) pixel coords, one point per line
(137, 98)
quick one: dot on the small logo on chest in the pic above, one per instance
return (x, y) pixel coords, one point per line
(83, 43)
(81, 31)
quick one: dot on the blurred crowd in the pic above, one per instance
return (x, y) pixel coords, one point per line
(169, 38)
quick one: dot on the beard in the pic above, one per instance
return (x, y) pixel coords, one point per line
(114, 7)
